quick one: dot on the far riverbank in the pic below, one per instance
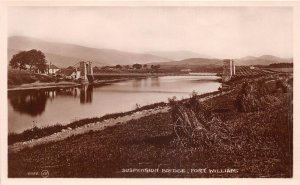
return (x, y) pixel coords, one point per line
(61, 84)
(24, 80)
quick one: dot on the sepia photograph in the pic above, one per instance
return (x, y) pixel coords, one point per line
(150, 91)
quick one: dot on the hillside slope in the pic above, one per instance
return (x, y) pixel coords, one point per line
(58, 60)
(101, 56)
(262, 60)
(248, 60)
(192, 62)
(178, 55)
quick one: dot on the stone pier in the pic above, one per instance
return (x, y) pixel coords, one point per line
(86, 72)
(228, 70)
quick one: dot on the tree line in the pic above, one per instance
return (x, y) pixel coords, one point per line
(134, 66)
(281, 65)
(34, 60)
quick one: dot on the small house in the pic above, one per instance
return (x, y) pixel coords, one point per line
(71, 73)
(52, 69)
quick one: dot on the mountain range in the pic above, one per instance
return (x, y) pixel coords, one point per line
(64, 55)
(249, 60)
(191, 62)
(178, 55)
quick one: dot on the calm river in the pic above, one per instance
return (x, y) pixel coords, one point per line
(28, 108)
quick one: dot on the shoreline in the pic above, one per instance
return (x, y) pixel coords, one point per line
(96, 123)
(42, 85)
(69, 84)
(63, 84)
(89, 127)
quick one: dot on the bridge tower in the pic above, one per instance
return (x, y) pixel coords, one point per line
(228, 70)
(86, 72)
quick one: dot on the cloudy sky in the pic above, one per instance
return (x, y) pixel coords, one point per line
(214, 31)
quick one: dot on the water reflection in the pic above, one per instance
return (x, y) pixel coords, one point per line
(155, 82)
(137, 83)
(66, 92)
(140, 83)
(29, 102)
(33, 102)
(63, 105)
(86, 94)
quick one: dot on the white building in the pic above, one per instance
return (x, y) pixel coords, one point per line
(52, 69)
(186, 70)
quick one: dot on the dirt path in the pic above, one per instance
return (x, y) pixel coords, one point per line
(97, 126)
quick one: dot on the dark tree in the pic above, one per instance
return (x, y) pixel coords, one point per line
(145, 66)
(137, 66)
(118, 66)
(34, 59)
(29, 102)
(18, 61)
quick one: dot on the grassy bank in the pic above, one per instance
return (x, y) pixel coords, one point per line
(24, 80)
(38, 132)
(256, 143)
(18, 77)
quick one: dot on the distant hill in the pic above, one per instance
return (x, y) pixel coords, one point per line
(249, 60)
(195, 64)
(192, 62)
(262, 60)
(178, 55)
(216, 65)
(63, 55)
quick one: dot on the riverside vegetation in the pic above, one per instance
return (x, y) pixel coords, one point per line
(249, 129)
(17, 77)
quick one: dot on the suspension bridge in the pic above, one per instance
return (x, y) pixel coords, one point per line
(84, 72)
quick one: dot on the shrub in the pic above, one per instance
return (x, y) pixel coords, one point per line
(194, 125)
(18, 77)
(255, 96)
